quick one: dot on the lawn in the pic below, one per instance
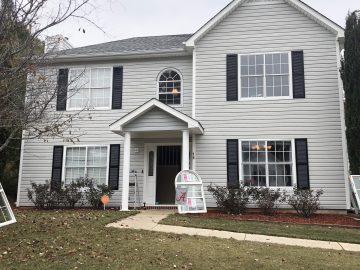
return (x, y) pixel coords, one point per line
(327, 233)
(78, 240)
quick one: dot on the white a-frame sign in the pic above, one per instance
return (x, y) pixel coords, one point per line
(6, 214)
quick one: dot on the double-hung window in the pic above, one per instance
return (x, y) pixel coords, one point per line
(265, 75)
(90, 161)
(90, 88)
(267, 163)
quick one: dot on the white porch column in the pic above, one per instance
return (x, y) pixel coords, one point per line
(126, 173)
(185, 149)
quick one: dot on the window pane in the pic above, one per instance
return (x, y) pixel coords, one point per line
(97, 156)
(151, 163)
(170, 87)
(78, 98)
(100, 97)
(98, 174)
(272, 181)
(79, 78)
(75, 157)
(72, 174)
(280, 166)
(5, 215)
(100, 77)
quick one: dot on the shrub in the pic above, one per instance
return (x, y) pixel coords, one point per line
(266, 199)
(72, 193)
(231, 201)
(94, 192)
(305, 202)
(42, 196)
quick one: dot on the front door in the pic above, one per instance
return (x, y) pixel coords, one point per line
(168, 166)
(150, 174)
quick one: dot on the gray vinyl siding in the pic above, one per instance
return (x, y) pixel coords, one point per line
(271, 28)
(249, 29)
(140, 85)
(155, 119)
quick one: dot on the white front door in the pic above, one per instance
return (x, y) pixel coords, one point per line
(150, 174)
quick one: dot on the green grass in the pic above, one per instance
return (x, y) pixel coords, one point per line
(326, 233)
(78, 240)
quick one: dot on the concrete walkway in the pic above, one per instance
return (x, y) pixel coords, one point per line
(149, 221)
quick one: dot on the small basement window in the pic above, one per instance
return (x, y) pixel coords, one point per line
(170, 87)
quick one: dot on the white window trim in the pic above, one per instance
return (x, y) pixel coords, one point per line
(90, 108)
(8, 207)
(293, 156)
(181, 90)
(291, 91)
(85, 146)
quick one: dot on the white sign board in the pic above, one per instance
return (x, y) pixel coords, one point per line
(6, 214)
(189, 193)
(355, 186)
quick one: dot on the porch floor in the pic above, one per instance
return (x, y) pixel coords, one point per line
(149, 220)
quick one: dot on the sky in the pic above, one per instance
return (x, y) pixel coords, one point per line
(119, 19)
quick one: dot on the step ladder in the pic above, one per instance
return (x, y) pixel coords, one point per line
(134, 195)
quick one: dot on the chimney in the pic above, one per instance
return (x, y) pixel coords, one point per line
(56, 43)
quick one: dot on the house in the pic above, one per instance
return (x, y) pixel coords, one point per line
(253, 97)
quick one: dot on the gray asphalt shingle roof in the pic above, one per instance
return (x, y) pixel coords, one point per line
(133, 45)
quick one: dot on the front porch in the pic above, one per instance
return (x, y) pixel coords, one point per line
(167, 139)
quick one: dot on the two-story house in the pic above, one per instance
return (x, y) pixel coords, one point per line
(253, 97)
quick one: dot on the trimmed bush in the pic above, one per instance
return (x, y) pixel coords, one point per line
(72, 193)
(42, 196)
(76, 193)
(267, 199)
(231, 201)
(93, 193)
(305, 202)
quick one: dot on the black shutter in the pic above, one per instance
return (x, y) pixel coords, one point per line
(117, 88)
(232, 77)
(302, 163)
(298, 74)
(114, 166)
(57, 167)
(232, 163)
(62, 86)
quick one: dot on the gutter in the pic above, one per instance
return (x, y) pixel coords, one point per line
(117, 56)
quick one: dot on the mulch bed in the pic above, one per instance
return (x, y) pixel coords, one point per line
(318, 219)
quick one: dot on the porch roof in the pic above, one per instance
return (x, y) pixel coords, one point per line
(120, 125)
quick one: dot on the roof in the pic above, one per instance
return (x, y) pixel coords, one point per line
(297, 4)
(193, 124)
(134, 45)
(177, 44)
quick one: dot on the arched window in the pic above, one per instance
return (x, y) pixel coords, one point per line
(170, 87)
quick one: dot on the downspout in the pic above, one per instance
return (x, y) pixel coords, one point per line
(343, 125)
(20, 169)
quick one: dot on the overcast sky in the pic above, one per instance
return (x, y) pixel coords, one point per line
(130, 18)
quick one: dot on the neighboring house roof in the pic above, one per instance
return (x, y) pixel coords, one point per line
(297, 4)
(137, 45)
(192, 124)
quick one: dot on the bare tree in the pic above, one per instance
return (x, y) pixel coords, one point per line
(27, 85)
